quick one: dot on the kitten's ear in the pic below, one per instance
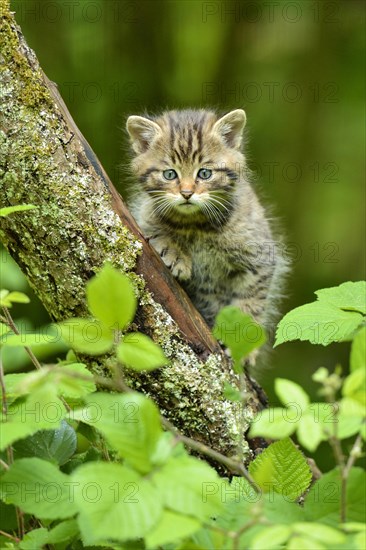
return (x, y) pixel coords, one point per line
(142, 132)
(230, 127)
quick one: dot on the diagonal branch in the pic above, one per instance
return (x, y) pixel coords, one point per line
(80, 222)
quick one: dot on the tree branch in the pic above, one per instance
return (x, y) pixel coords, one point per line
(79, 223)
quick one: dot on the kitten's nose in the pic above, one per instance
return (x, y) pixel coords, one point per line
(186, 193)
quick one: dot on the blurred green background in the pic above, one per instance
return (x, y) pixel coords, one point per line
(295, 67)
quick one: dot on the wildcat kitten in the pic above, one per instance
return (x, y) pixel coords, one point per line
(197, 207)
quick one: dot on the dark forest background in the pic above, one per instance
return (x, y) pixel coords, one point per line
(296, 67)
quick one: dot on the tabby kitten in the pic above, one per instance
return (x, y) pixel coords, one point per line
(200, 213)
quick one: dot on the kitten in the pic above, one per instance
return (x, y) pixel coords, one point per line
(197, 207)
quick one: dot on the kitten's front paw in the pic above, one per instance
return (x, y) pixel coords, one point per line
(179, 264)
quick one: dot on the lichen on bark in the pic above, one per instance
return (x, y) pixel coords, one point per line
(77, 226)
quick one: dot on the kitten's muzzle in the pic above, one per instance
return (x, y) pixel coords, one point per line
(186, 193)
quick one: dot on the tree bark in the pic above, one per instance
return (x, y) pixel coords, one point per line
(79, 223)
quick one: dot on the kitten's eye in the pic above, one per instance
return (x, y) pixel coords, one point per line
(170, 174)
(204, 173)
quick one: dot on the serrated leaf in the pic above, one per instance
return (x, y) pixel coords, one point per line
(56, 446)
(358, 350)
(140, 353)
(114, 503)
(130, 423)
(318, 322)
(111, 298)
(87, 336)
(270, 537)
(310, 432)
(275, 423)
(171, 527)
(281, 468)
(291, 393)
(16, 208)
(38, 488)
(189, 486)
(239, 332)
(350, 296)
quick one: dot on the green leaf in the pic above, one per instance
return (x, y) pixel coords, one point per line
(34, 540)
(350, 418)
(4, 329)
(278, 509)
(38, 488)
(63, 378)
(270, 537)
(69, 386)
(275, 423)
(231, 393)
(281, 468)
(56, 446)
(288, 393)
(304, 542)
(358, 350)
(26, 339)
(87, 336)
(12, 382)
(114, 503)
(318, 322)
(7, 298)
(16, 208)
(171, 527)
(139, 352)
(40, 410)
(324, 498)
(129, 422)
(12, 431)
(189, 486)
(111, 298)
(64, 531)
(321, 533)
(310, 432)
(350, 296)
(38, 538)
(354, 386)
(239, 332)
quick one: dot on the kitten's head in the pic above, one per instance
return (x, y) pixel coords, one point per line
(189, 163)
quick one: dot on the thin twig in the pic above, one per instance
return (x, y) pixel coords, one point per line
(4, 464)
(9, 321)
(9, 449)
(9, 536)
(11, 324)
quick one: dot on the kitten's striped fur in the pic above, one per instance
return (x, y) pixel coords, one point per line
(212, 233)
